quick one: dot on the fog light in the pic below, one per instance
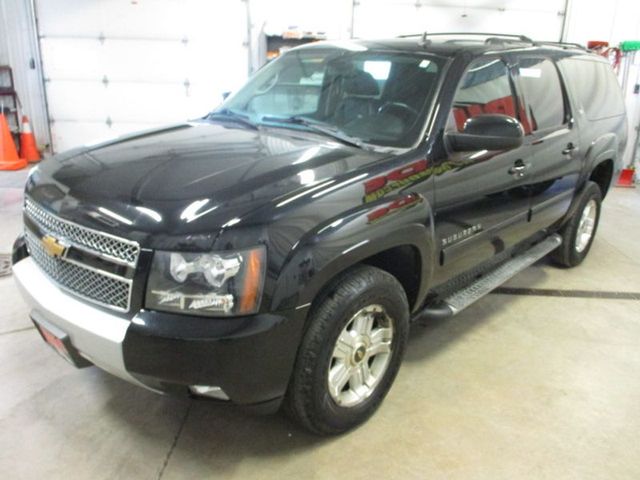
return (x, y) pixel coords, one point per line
(208, 391)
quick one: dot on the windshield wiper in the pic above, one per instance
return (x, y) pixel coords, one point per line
(317, 126)
(232, 115)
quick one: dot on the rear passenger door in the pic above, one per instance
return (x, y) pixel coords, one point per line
(552, 172)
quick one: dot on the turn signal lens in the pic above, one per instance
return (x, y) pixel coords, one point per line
(252, 282)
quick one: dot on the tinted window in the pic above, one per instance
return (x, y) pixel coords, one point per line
(379, 97)
(543, 97)
(594, 86)
(485, 88)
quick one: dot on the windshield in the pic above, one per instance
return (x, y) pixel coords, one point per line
(379, 98)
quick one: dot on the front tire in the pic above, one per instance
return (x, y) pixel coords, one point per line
(351, 352)
(580, 230)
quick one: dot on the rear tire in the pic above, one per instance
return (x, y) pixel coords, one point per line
(351, 352)
(580, 230)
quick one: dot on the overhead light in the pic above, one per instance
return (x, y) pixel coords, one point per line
(193, 210)
(115, 216)
(208, 391)
(150, 213)
(307, 177)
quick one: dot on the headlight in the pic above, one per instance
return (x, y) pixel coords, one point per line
(211, 284)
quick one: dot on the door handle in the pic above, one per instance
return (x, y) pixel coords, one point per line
(518, 169)
(570, 148)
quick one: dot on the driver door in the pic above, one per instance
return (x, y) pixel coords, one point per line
(481, 207)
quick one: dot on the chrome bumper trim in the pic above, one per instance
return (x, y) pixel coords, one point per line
(96, 334)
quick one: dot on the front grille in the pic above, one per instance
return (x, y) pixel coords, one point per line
(114, 248)
(99, 286)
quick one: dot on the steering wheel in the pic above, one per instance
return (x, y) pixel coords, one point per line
(401, 110)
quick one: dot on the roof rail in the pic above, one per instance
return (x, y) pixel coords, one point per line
(497, 38)
(521, 38)
(562, 44)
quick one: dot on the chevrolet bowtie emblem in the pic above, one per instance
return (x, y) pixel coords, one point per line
(53, 246)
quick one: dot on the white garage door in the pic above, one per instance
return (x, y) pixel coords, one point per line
(540, 19)
(115, 66)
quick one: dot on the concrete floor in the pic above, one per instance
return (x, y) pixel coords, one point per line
(515, 387)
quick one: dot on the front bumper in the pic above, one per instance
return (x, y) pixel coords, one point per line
(249, 358)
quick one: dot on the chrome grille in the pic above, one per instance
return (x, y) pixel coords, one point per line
(103, 244)
(107, 290)
(99, 286)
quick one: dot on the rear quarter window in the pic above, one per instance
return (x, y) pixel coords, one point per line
(594, 87)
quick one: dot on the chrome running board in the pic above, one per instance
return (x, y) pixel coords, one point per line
(458, 301)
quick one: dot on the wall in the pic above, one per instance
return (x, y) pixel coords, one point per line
(612, 21)
(541, 19)
(273, 17)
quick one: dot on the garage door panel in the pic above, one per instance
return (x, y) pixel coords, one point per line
(76, 100)
(88, 59)
(153, 62)
(157, 19)
(140, 62)
(120, 102)
(136, 102)
(115, 17)
(145, 61)
(120, 60)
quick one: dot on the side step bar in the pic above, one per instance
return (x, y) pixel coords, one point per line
(461, 299)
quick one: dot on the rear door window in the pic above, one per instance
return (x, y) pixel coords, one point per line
(542, 92)
(594, 85)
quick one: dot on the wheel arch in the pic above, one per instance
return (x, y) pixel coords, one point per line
(602, 161)
(602, 175)
(386, 254)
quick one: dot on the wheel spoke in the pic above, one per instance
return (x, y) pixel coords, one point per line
(339, 375)
(363, 323)
(359, 378)
(380, 341)
(344, 346)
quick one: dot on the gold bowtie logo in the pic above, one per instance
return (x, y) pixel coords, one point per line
(53, 246)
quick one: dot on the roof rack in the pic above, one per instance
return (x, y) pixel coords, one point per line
(501, 36)
(497, 38)
(562, 44)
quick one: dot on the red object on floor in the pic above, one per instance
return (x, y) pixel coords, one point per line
(9, 159)
(626, 178)
(28, 149)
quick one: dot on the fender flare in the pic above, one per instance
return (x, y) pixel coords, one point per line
(603, 148)
(348, 239)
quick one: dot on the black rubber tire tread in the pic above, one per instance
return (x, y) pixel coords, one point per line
(566, 255)
(308, 401)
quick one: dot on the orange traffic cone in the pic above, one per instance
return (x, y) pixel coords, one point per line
(28, 149)
(9, 159)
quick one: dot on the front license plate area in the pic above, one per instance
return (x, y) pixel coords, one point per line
(60, 342)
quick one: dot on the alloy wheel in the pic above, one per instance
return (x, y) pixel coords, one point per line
(361, 356)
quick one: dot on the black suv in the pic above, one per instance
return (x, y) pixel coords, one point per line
(275, 251)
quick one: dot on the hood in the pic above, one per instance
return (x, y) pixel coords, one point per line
(191, 178)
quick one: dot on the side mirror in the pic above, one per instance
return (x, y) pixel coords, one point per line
(487, 132)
